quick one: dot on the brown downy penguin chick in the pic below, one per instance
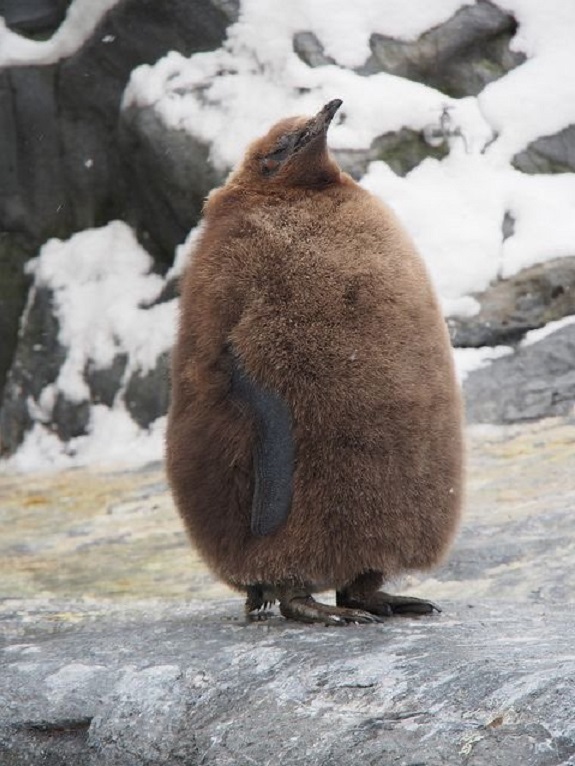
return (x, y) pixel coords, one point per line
(315, 429)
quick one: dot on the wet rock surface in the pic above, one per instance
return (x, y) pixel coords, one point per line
(105, 661)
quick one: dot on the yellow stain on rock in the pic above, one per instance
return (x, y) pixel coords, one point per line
(94, 534)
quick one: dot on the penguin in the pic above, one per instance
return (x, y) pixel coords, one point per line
(314, 437)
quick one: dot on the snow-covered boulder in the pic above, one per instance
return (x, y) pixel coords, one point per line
(61, 160)
(93, 348)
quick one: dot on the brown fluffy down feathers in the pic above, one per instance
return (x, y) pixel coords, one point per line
(322, 295)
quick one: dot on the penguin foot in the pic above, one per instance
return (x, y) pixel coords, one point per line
(259, 598)
(387, 605)
(307, 609)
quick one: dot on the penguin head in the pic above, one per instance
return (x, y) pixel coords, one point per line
(293, 153)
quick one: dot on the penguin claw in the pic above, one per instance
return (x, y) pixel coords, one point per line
(387, 605)
(307, 609)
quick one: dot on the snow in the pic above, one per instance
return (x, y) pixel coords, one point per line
(81, 19)
(453, 208)
(469, 359)
(534, 336)
(114, 441)
(103, 288)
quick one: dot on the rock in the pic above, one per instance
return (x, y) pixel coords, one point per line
(36, 365)
(33, 16)
(187, 684)
(105, 383)
(105, 663)
(537, 381)
(459, 57)
(61, 165)
(510, 307)
(70, 419)
(163, 212)
(401, 150)
(28, 398)
(34, 200)
(90, 91)
(310, 50)
(549, 154)
(147, 394)
(508, 225)
(14, 251)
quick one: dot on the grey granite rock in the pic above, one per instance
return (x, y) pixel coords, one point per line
(537, 381)
(107, 680)
(510, 307)
(549, 154)
(483, 683)
(458, 57)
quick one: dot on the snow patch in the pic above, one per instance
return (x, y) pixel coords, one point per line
(102, 284)
(103, 290)
(534, 336)
(469, 359)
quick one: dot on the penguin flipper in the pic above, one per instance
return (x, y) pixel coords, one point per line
(274, 451)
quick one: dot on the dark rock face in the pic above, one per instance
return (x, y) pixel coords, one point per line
(537, 381)
(147, 394)
(549, 154)
(163, 212)
(14, 251)
(459, 57)
(34, 198)
(36, 365)
(104, 384)
(61, 160)
(510, 307)
(90, 90)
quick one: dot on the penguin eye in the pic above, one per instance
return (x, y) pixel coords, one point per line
(270, 165)
(271, 162)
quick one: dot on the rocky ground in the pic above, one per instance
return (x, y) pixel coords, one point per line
(118, 647)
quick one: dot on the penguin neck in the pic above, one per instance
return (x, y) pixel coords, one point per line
(244, 191)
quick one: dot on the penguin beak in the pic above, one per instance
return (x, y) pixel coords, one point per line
(321, 122)
(315, 131)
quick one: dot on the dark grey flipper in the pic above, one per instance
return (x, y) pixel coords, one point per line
(274, 451)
